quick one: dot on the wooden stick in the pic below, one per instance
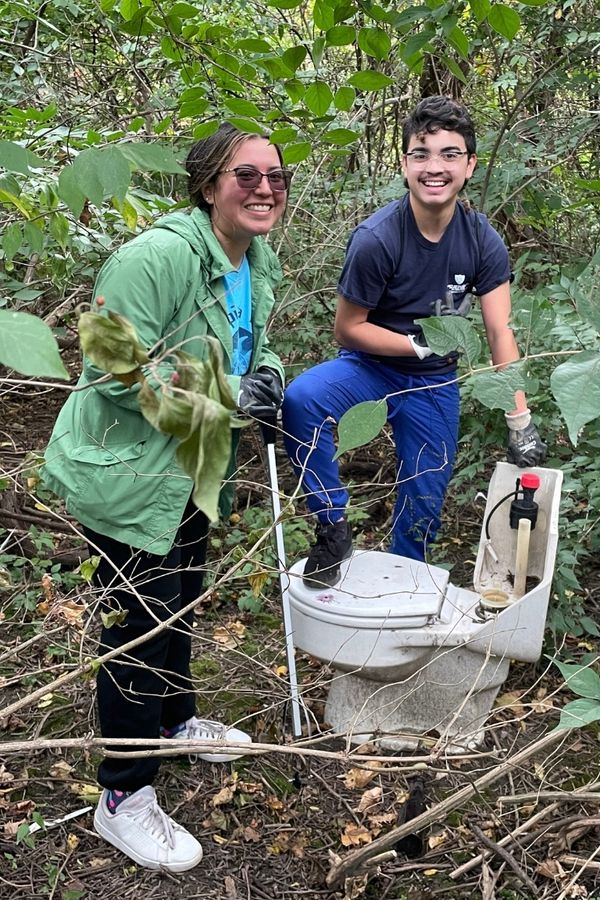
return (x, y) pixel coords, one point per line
(575, 796)
(506, 856)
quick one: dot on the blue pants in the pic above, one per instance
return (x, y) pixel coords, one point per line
(423, 412)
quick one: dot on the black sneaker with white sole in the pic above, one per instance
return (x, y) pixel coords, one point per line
(332, 546)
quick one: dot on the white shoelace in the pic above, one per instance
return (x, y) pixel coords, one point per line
(201, 729)
(155, 820)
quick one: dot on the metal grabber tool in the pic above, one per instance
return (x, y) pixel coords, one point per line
(268, 424)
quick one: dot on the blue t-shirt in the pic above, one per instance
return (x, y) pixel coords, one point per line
(238, 293)
(397, 274)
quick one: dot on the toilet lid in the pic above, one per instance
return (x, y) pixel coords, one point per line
(380, 586)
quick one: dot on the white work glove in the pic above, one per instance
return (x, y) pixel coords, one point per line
(419, 345)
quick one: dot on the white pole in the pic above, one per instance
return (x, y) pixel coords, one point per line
(284, 583)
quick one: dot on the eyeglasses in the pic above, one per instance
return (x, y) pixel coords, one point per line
(249, 178)
(420, 157)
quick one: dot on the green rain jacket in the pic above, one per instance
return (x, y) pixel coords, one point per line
(115, 472)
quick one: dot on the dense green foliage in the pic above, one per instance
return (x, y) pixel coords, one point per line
(102, 99)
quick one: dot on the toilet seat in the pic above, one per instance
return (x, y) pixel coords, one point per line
(376, 589)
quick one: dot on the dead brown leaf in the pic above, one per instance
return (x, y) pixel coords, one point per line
(251, 835)
(369, 798)
(229, 636)
(359, 778)
(225, 795)
(355, 835)
(511, 700)
(551, 868)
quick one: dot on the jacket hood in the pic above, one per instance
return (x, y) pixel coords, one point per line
(196, 228)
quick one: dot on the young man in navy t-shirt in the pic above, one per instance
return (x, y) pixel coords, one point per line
(420, 256)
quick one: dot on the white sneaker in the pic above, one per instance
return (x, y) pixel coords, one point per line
(206, 730)
(145, 833)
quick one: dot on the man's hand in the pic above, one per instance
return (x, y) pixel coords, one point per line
(259, 391)
(525, 447)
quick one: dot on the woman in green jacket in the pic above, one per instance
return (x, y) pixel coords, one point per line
(206, 273)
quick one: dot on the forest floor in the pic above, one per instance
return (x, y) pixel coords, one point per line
(272, 825)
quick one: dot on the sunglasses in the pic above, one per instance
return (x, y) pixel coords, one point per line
(249, 178)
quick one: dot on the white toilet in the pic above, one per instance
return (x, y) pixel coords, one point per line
(416, 657)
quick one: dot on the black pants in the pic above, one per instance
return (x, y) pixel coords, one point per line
(151, 685)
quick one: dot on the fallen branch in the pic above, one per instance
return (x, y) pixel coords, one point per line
(166, 747)
(575, 796)
(506, 856)
(357, 858)
(524, 828)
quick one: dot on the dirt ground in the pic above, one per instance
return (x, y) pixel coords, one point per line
(271, 825)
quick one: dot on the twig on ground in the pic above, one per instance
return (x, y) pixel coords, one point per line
(506, 856)
(575, 796)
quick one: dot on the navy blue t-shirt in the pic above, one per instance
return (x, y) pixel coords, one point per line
(397, 274)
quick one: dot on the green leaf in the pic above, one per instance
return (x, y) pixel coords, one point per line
(205, 129)
(152, 158)
(579, 713)
(28, 345)
(59, 229)
(190, 109)
(183, 10)
(453, 67)
(12, 240)
(374, 42)
(255, 45)
(114, 617)
(458, 39)
(242, 107)
(588, 292)
(15, 158)
(344, 98)
(294, 57)
(111, 343)
(496, 390)
(283, 135)
(323, 15)
(285, 4)
(13, 200)
(589, 184)
(533, 2)
(480, 9)
(415, 44)
(504, 20)
(360, 424)
(247, 125)
(69, 190)
(197, 411)
(368, 80)
(446, 333)
(412, 14)
(88, 567)
(96, 173)
(295, 153)
(340, 35)
(34, 236)
(340, 136)
(576, 388)
(128, 9)
(318, 98)
(582, 680)
(295, 89)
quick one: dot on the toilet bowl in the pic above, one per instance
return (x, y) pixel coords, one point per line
(415, 656)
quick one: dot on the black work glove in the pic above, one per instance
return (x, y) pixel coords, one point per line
(260, 391)
(446, 307)
(525, 447)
